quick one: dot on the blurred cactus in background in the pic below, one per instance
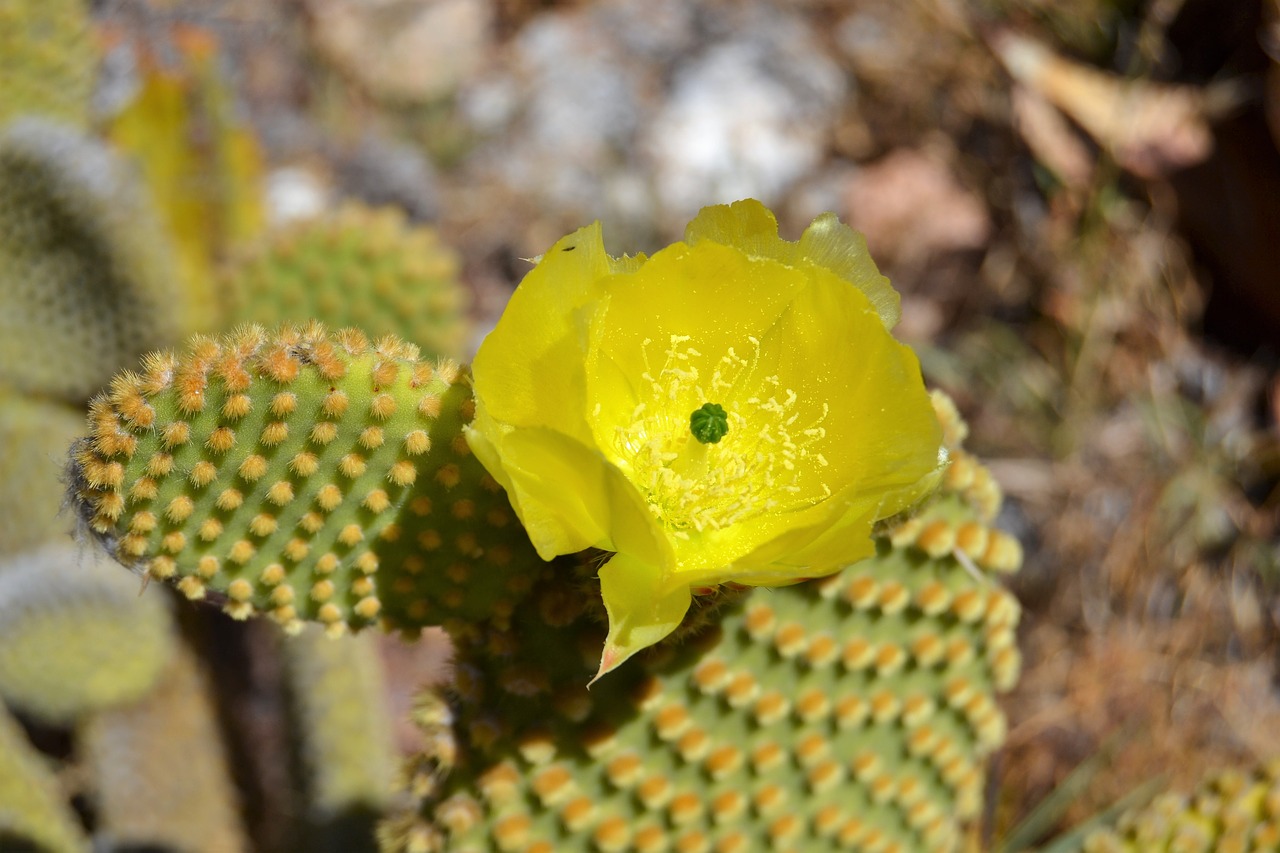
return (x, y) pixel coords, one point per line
(47, 60)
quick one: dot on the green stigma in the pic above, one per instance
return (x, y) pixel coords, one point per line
(709, 424)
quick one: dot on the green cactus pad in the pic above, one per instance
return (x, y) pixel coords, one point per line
(35, 434)
(47, 60)
(86, 279)
(343, 734)
(75, 635)
(853, 712)
(1228, 811)
(161, 778)
(34, 815)
(362, 267)
(309, 475)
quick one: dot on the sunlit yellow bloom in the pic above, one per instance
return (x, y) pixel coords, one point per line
(733, 408)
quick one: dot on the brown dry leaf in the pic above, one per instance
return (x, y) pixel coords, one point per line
(911, 207)
(1149, 128)
(1055, 145)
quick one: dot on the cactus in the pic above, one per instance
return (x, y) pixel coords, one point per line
(85, 276)
(75, 635)
(33, 813)
(855, 709)
(1228, 811)
(343, 733)
(35, 434)
(308, 475)
(47, 60)
(852, 710)
(159, 770)
(361, 267)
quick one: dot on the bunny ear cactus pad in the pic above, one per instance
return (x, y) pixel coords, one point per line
(363, 267)
(86, 278)
(161, 778)
(1228, 811)
(307, 474)
(34, 814)
(852, 712)
(35, 434)
(343, 735)
(47, 59)
(75, 635)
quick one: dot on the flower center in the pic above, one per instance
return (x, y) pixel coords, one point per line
(726, 462)
(709, 424)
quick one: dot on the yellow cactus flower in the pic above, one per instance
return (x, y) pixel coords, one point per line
(731, 409)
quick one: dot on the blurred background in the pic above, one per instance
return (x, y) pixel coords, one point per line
(1079, 201)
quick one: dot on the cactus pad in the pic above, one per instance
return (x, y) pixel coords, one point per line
(35, 434)
(309, 475)
(852, 712)
(86, 280)
(47, 60)
(343, 735)
(75, 635)
(159, 769)
(33, 813)
(362, 267)
(1229, 811)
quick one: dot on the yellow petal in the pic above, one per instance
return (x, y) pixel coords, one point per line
(832, 245)
(827, 243)
(529, 372)
(745, 225)
(566, 495)
(642, 610)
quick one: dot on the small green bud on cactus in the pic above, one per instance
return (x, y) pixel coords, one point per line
(308, 475)
(362, 267)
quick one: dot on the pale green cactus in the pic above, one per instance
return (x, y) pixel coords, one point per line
(47, 60)
(343, 734)
(160, 771)
(360, 267)
(86, 276)
(36, 434)
(34, 814)
(76, 635)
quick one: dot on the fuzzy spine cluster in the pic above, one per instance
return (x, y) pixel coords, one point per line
(1229, 811)
(300, 474)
